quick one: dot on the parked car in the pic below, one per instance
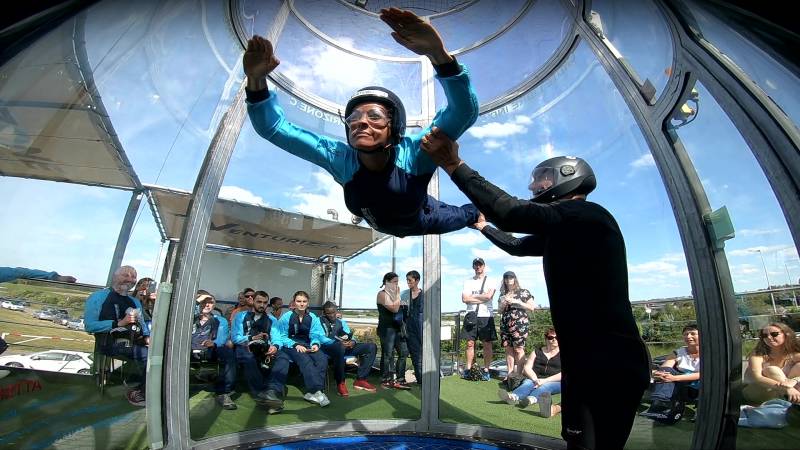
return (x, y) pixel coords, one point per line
(75, 324)
(12, 305)
(45, 314)
(52, 361)
(61, 318)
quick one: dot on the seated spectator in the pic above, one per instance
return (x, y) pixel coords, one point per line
(246, 298)
(145, 291)
(677, 380)
(12, 273)
(338, 343)
(209, 334)
(254, 333)
(541, 371)
(300, 334)
(116, 320)
(773, 368)
(276, 307)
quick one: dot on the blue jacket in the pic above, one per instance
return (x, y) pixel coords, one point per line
(344, 329)
(387, 198)
(220, 331)
(240, 337)
(12, 273)
(91, 314)
(281, 337)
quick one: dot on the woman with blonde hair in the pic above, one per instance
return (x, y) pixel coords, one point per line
(773, 369)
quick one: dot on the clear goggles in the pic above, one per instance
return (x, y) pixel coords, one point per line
(375, 117)
(543, 178)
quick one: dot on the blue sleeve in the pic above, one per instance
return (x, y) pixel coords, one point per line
(280, 332)
(12, 273)
(317, 333)
(222, 331)
(324, 339)
(454, 119)
(273, 333)
(269, 121)
(91, 313)
(237, 328)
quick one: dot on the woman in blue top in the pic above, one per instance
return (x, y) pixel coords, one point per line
(384, 174)
(300, 334)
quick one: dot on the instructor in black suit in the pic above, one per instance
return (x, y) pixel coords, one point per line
(586, 272)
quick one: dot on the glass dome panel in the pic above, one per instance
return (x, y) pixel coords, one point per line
(537, 35)
(722, 160)
(314, 66)
(637, 30)
(164, 121)
(257, 16)
(577, 111)
(772, 77)
(478, 21)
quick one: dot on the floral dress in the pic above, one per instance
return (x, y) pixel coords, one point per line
(514, 322)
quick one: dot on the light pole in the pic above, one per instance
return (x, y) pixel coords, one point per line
(394, 247)
(766, 275)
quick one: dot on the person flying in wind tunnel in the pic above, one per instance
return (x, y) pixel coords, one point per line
(585, 268)
(383, 172)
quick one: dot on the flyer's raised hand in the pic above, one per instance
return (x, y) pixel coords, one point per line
(259, 59)
(415, 34)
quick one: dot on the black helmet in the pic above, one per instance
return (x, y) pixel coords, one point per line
(559, 176)
(386, 98)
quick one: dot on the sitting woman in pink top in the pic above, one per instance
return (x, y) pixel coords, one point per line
(773, 369)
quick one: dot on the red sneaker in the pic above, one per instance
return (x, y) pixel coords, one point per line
(402, 385)
(341, 389)
(364, 385)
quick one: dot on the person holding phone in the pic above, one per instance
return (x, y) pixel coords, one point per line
(390, 333)
(300, 334)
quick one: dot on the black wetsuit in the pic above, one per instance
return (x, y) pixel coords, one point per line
(585, 268)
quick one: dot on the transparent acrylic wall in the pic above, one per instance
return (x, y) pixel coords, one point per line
(126, 67)
(760, 255)
(637, 31)
(577, 112)
(268, 181)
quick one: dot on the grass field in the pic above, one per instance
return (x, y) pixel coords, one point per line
(52, 336)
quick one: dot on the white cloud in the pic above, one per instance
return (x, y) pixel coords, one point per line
(464, 238)
(241, 195)
(645, 160)
(327, 69)
(492, 144)
(325, 194)
(747, 232)
(501, 130)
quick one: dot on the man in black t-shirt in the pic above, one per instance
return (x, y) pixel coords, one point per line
(115, 318)
(585, 268)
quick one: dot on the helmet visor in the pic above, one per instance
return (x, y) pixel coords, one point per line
(375, 117)
(543, 178)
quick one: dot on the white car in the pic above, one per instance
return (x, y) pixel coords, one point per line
(14, 306)
(52, 361)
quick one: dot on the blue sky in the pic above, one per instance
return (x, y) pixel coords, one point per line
(167, 73)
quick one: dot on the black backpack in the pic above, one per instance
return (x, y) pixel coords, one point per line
(474, 374)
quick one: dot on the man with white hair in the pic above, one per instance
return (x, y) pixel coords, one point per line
(115, 319)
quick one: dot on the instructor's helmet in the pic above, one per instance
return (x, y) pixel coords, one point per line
(559, 176)
(387, 98)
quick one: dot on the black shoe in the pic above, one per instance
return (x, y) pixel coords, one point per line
(270, 399)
